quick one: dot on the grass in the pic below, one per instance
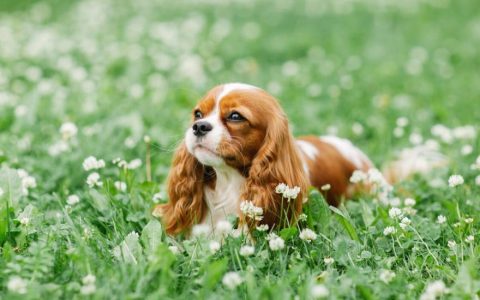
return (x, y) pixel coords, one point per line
(120, 70)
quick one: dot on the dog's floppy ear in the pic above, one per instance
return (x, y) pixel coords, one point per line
(185, 206)
(277, 161)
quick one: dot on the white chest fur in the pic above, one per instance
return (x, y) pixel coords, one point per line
(225, 199)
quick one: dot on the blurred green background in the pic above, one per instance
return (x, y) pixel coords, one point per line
(382, 73)
(122, 69)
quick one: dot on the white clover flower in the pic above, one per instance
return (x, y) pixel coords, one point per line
(402, 122)
(251, 211)
(174, 249)
(147, 139)
(455, 180)
(398, 132)
(389, 230)
(214, 246)
(123, 164)
(22, 173)
(94, 180)
(17, 285)
(468, 220)
(134, 164)
(88, 286)
(415, 138)
(476, 165)
(374, 176)
(441, 219)
(89, 279)
(247, 250)
(262, 227)
(130, 142)
(387, 276)
(21, 111)
(291, 193)
(92, 163)
(410, 202)
(276, 243)
(24, 221)
(223, 228)
(281, 188)
(466, 150)
(328, 260)
(477, 180)
(308, 235)
(200, 230)
(467, 132)
(72, 200)
(302, 217)
(358, 176)
(287, 192)
(410, 211)
(28, 181)
(87, 233)
(469, 239)
(319, 291)
(120, 185)
(395, 213)
(1, 192)
(357, 129)
(443, 132)
(68, 130)
(434, 289)
(452, 244)
(405, 222)
(157, 197)
(231, 280)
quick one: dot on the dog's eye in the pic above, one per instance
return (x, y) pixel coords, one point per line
(197, 115)
(235, 117)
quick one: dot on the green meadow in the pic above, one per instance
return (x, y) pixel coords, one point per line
(94, 78)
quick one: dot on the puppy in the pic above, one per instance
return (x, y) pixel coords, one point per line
(239, 148)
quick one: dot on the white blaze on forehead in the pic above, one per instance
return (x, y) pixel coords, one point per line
(308, 149)
(229, 87)
(348, 150)
(218, 133)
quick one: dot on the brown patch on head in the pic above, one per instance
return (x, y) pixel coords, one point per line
(247, 135)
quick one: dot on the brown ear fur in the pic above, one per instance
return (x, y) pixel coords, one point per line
(185, 190)
(277, 161)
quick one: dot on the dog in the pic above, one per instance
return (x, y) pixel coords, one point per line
(239, 148)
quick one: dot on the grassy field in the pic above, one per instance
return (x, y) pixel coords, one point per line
(92, 78)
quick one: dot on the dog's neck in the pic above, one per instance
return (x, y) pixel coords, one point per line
(223, 199)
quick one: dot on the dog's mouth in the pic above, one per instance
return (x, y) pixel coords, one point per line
(199, 147)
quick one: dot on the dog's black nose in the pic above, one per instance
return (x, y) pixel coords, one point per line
(201, 128)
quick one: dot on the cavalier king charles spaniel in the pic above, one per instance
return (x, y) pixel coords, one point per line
(239, 148)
